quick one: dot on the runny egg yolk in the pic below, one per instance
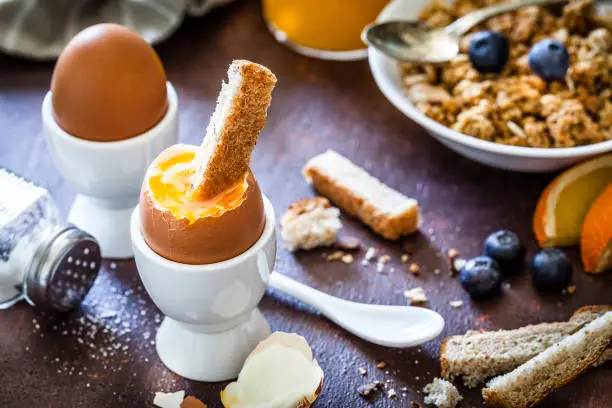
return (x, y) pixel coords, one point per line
(170, 181)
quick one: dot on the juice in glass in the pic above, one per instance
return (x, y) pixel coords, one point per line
(329, 29)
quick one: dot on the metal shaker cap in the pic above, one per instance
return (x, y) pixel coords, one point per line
(63, 269)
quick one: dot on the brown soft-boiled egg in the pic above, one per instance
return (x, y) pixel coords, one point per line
(192, 231)
(108, 84)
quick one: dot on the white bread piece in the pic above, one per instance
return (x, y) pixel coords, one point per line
(477, 356)
(530, 383)
(225, 154)
(385, 210)
(310, 223)
(442, 394)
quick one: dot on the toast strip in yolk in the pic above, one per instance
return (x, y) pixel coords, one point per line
(223, 158)
(169, 182)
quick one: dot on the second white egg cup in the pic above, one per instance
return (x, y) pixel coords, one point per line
(212, 322)
(108, 175)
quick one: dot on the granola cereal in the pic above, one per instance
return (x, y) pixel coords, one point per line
(516, 107)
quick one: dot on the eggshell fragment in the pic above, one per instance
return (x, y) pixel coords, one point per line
(279, 373)
(168, 399)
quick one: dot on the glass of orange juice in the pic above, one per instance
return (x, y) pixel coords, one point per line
(327, 29)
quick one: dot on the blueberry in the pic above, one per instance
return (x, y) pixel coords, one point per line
(489, 51)
(481, 277)
(551, 270)
(549, 59)
(506, 249)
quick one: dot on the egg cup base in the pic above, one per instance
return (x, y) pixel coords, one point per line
(110, 226)
(213, 356)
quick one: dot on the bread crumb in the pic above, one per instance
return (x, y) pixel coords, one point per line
(369, 256)
(384, 259)
(458, 264)
(381, 365)
(455, 263)
(405, 258)
(442, 394)
(571, 289)
(415, 295)
(415, 269)
(348, 244)
(453, 253)
(456, 304)
(335, 256)
(367, 389)
(347, 259)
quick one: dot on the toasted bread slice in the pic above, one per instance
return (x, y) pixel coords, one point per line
(225, 154)
(588, 313)
(530, 383)
(477, 356)
(387, 211)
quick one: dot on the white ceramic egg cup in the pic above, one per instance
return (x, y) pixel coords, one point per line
(212, 322)
(108, 175)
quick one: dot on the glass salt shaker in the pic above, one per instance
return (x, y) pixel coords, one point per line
(42, 260)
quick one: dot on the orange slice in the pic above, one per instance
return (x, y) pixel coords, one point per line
(596, 239)
(566, 200)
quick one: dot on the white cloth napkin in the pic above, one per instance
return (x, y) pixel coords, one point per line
(39, 29)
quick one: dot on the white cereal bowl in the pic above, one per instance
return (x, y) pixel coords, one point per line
(108, 175)
(525, 159)
(212, 321)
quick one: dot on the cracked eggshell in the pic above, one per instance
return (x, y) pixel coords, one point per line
(279, 373)
(208, 239)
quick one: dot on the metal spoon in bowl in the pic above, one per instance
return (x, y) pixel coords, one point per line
(417, 42)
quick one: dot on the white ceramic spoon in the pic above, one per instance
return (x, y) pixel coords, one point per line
(391, 326)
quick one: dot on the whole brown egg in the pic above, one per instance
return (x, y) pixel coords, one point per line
(108, 84)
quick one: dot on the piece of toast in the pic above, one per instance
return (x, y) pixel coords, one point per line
(531, 382)
(310, 223)
(477, 356)
(225, 154)
(385, 210)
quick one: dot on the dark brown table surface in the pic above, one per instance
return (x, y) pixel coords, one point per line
(72, 361)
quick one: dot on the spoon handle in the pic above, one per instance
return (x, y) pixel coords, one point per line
(469, 21)
(303, 293)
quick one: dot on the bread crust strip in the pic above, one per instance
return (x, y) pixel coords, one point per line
(385, 210)
(558, 365)
(225, 154)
